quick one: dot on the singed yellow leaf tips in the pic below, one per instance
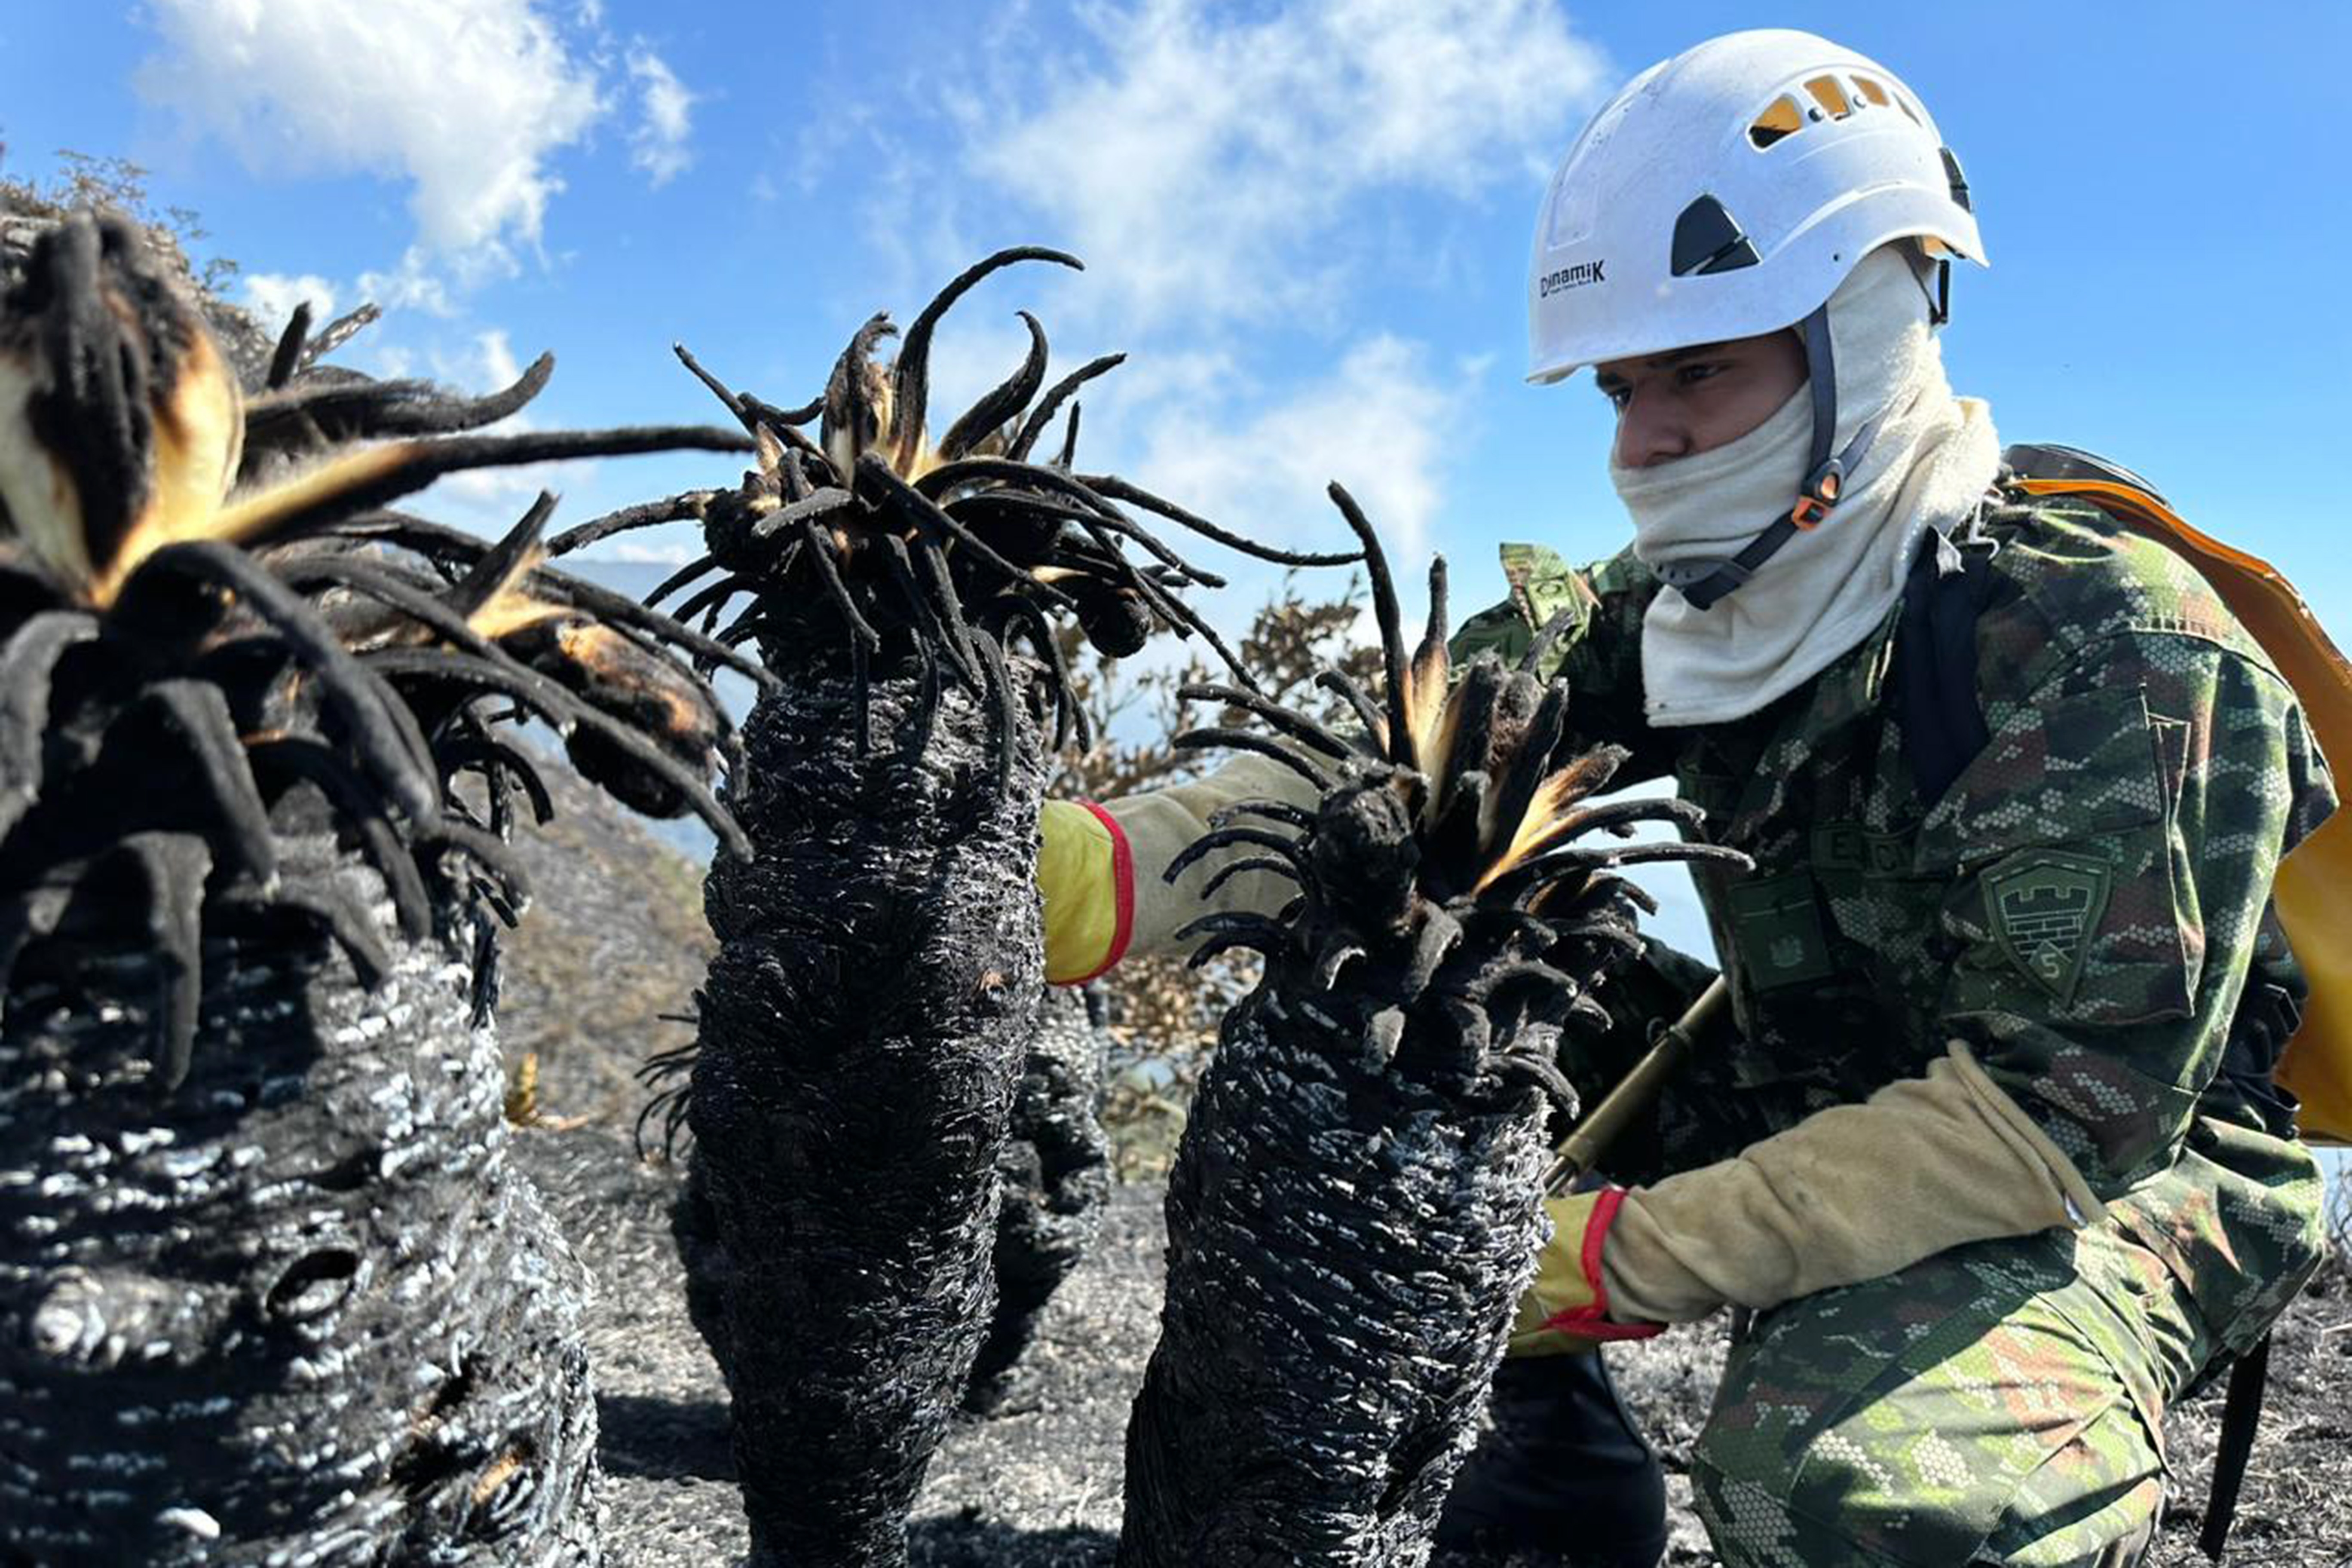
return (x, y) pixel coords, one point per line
(1428, 706)
(909, 453)
(199, 436)
(1435, 714)
(196, 439)
(252, 517)
(510, 612)
(1546, 820)
(508, 608)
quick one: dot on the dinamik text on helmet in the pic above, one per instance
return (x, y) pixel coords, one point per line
(1576, 276)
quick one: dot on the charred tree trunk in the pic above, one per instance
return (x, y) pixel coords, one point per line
(1357, 1199)
(307, 1312)
(867, 1019)
(863, 1032)
(1052, 1179)
(1345, 1248)
(1053, 1183)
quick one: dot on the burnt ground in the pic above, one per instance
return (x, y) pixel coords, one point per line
(1037, 1485)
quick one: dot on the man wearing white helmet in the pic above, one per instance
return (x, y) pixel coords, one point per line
(1994, 1160)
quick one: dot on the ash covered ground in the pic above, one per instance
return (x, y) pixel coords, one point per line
(615, 939)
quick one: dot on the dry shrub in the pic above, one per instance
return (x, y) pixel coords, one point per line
(83, 180)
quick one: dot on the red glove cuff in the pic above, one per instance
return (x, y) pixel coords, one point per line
(1591, 1321)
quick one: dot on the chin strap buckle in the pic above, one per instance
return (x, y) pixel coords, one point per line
(1820, 495)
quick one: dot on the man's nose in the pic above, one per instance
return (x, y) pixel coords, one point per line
(1650, 431)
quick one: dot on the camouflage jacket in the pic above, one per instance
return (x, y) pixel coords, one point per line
(2081, 907)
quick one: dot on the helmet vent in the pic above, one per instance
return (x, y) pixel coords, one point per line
(1708, 239)
(1960, 182)
(1784, 118)
(1828, 92)
(1826, 98)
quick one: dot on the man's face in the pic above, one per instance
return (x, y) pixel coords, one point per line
(1693, 400)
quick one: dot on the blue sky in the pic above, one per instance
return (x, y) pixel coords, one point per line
(1307, 222)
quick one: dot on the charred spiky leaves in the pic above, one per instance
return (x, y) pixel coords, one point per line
(872, 537)
(1447, 894)
(191, 672)
(1356, 1204)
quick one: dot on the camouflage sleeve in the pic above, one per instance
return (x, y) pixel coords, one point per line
(1598, 651)
(2110, 859)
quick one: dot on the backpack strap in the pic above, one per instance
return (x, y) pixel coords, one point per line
(2242, 1415)
(2047, 463)
(1935, 664)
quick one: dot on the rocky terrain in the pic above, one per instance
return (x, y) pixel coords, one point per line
(614, 940)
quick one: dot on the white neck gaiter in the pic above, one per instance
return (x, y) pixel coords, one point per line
(1825, 590)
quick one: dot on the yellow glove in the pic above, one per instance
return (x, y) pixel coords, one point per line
(1086, 876)
(1566, 1306)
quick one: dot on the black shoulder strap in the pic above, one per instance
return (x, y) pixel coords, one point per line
(1936, 668)
(2049, 460)
(2242, 1413)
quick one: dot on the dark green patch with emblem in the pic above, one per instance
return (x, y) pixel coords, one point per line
(1777, 924)
(2044, 908)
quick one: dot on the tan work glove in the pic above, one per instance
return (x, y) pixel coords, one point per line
(1849, 1193)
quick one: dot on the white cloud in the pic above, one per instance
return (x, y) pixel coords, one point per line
(1213, 165)
(500, 368)
(821, 140)
(469, 101)
(493, 498)
(410, 284)
(272, 296)
(653, 555)
(658, 143)
(1376, 425)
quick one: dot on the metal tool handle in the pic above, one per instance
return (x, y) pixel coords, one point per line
(1581, 1150)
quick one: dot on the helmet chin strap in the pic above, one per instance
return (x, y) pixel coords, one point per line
(1703, 582)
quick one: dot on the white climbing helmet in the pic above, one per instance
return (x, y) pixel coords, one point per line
(1727, 193)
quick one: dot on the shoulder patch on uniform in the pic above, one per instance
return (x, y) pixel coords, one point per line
(2045, 906)
(1543, 584)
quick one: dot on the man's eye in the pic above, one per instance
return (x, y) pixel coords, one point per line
(1691, 374)
(1618, 397)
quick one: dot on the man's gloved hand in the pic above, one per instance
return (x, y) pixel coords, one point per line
(1086, 877)
(1850, 1193)
(1566, 1306)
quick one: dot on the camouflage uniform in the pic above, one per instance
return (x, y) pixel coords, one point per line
(2083, 909)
